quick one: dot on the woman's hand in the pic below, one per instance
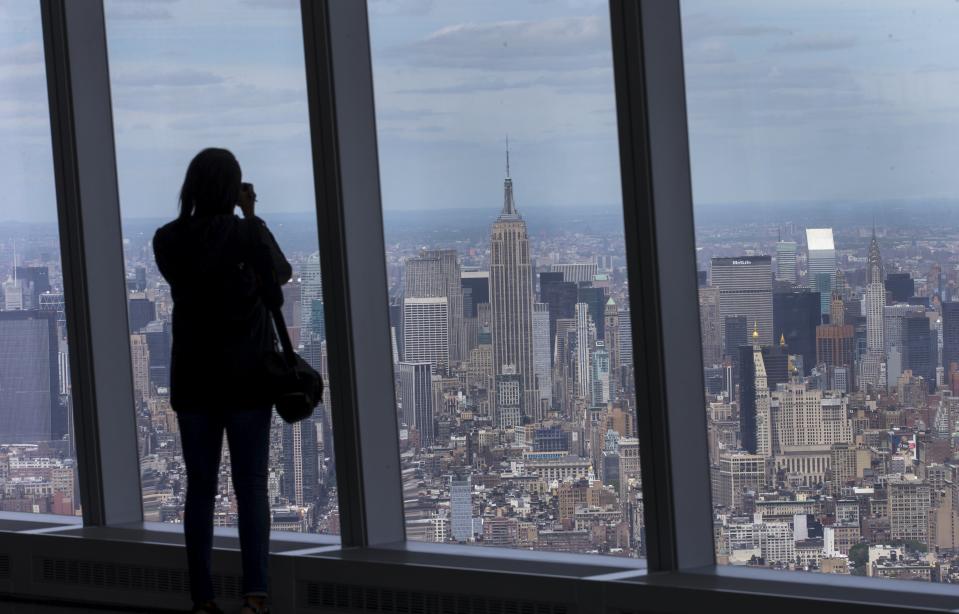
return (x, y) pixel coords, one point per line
(247, 199)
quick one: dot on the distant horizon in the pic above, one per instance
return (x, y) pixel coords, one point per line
(609, 207)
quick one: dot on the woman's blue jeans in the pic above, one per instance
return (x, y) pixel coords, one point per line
(248, 436)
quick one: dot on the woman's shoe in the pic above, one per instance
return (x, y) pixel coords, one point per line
(249, 607)
(208, 607)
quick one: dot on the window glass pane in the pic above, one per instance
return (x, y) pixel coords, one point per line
(37, 469)
(186, 76)
(823, 139)
(507, 274)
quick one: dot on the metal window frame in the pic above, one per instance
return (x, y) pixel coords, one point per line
(349, 216)
(661, 248)
(88, 212)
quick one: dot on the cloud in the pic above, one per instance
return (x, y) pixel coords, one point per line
(814, 43)
(401, 7)
(27, 53)
(573, 82)
(149, 76)
(137, 11)
(700, 26)
(273, 4)
(552, 44)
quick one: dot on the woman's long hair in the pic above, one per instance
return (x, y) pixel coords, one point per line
(211, 185)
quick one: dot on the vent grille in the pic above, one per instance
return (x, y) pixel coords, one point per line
(348, 598)
(140, 578)
(4, 566)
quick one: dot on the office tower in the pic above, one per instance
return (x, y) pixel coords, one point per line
(759, 441)
(576, 272)
(746, 289)
(159, 338)
(735, 337)
(436, 273)
(599, 377)
(774, 362)
(595, 298)
(709, 326)
(141, 311)
(821, 261)
(875, 302)
(140, 359)
(38, 278)
(300, 467)
(29, 377)
(140, 274)
(795, 318)
(808, 418)
(612, 346)
(396, 323)
(585, 335)
(919, 352)
(425, 330)
(702, 279)
(786, 261)
(542, 365)
(508, 399)
(740, 473)
(900, 287)
(950, 334)
(834, 349)
(625, 339)
(414, 391)
(560, 295)
(893, 324)
(461, 508)
(511, 297)
(475, 285)
(17, 295)
(909, 501)
(312, 322)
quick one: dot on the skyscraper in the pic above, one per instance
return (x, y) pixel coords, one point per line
(786, 261)
(311, 300)
(300, 469)
(599, 378)
(795, 318)
(541, 352)
(436, 273)
(415, 394)
(821, 261)
(425, 330)
(745, 289)
(511, 297)
(560, 295)
(900, 287)
(461, 508)
(585, 334)
(709, 326)
(612, 345)
(29, 377)
(875, 302)
(950, 334)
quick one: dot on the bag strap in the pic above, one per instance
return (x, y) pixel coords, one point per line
(280, 324)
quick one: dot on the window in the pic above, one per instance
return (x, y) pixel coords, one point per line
(506, 263)
(823, 142)
(37, 468)
(222, 74)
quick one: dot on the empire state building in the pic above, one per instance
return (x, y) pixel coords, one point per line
(511, 300)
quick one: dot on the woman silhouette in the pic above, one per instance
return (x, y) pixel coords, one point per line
(224, 271)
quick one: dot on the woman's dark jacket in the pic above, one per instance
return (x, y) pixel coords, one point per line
(222, 272)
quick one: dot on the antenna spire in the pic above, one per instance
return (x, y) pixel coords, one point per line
(507, 155)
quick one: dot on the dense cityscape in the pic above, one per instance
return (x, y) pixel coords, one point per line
(831, 363)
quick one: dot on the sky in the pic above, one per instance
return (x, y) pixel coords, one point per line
(820, 100)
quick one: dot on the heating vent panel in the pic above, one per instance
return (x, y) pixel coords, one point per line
(128, 577)
(337, 597)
